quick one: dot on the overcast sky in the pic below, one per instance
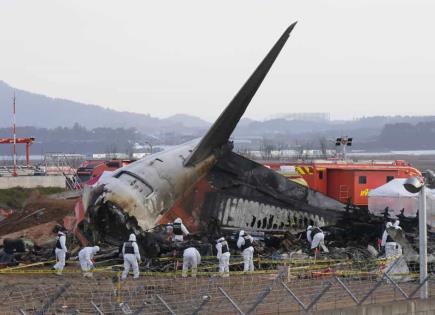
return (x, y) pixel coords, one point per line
(349, 58)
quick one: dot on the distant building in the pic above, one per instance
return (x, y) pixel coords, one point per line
(107, 156)
(140, 155)
(305, 116)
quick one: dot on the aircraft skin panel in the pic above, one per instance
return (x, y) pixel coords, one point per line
(157, 171)
(188, 207)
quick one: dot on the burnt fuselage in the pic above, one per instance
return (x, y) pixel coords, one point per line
(225, 189)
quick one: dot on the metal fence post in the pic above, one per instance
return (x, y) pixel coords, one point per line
(231, 301)
(97, 308)
(165, 304)
(53, 298)
(264, 294)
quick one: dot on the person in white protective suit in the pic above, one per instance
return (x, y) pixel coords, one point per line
(245, 242)
(391, 247)
(191, 259)
(60, 252)
(309, 228)
(223, 254)
(316, 238)
(393, 251)
(130, 252)
(85, 258)
(387, 242)
(179, 230)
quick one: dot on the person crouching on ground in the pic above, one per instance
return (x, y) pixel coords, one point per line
(244, 243)
(131, 254)
(223, 254)
(316, 238)
(191, 259)
(85, 258)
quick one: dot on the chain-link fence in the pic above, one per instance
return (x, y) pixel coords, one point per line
(291, 287)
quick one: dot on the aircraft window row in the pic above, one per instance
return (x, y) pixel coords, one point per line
(137, 184)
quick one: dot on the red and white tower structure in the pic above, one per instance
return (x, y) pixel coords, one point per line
(15, 141)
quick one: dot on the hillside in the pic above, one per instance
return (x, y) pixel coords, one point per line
(68, 126)
(42, 111)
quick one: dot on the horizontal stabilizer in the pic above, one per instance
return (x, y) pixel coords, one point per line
(224, 126)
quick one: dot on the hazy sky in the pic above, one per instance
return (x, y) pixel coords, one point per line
(349, 58)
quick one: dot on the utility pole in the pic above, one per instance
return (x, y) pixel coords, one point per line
(420, 185)
(150, 145)
(15, 141)
(422, 236)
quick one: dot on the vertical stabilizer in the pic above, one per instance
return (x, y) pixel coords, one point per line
(224, 126)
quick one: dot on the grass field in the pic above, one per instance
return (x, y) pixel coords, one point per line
(15, 197)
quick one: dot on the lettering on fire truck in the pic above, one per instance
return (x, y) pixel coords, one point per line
(364, 192)
(304, 170)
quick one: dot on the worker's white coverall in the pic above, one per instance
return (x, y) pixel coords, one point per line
(224, 258)
(60, 252)
(391, 247)
(191, 259)
(393, 252)
(131, 259)
(184, 230)
(248, 253)
(85, 258)
(318, 239)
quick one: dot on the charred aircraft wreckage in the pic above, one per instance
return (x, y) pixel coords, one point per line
(214, 190)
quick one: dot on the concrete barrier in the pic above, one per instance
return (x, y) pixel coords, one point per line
(32, 181)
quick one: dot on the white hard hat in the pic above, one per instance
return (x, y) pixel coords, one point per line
(132, 238)
(309, 227)
(389, 224)
(220, 240)
(96, 249)
(178, 220)
(241, 233)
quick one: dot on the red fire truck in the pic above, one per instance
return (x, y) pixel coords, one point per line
(346, 181)
(91, 169)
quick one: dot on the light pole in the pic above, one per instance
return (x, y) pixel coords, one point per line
(151, 146)
(344, 141)
(416, 185)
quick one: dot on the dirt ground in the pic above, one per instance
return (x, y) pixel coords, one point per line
(38, 209)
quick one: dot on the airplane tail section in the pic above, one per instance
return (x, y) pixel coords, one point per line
(224, 126)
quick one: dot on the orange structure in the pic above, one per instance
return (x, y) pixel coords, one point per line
(26, 141)
(347, 181)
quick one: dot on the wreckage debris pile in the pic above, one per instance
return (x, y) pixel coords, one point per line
(27, 235)
(38, 209)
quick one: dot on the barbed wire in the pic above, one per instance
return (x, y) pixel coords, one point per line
(285, 286)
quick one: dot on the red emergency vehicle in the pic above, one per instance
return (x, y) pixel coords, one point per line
(346, 181)
(91, 169)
